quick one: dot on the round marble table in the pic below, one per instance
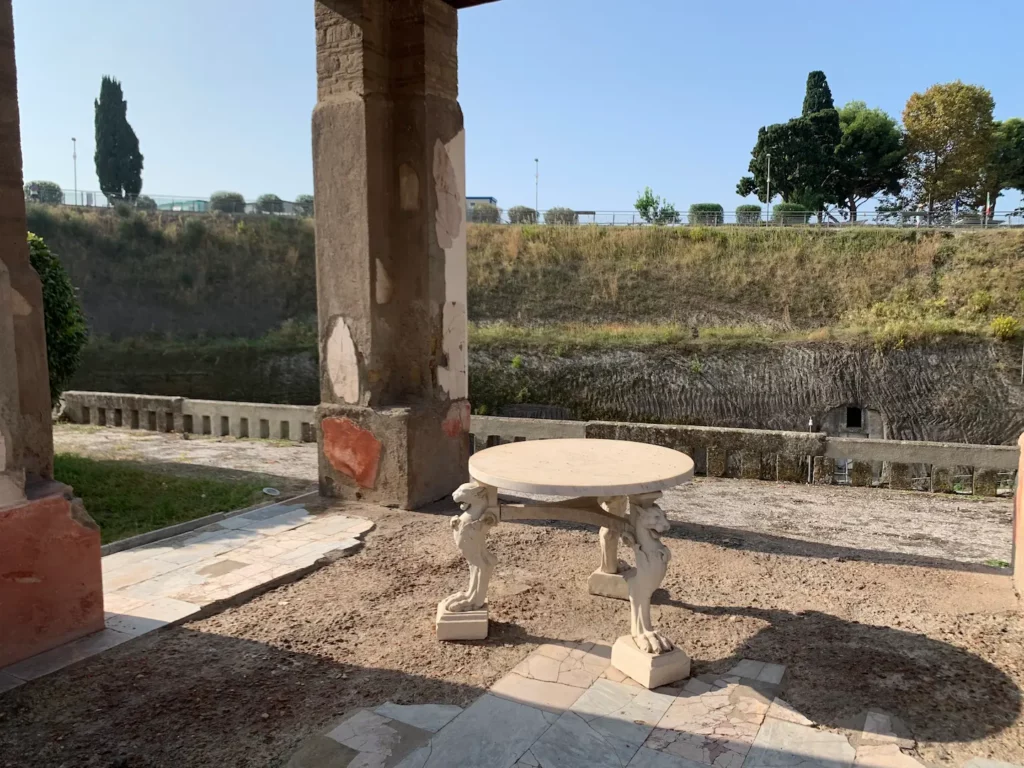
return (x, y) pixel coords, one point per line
(615, 485)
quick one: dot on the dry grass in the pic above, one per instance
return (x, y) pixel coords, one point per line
(776, 279)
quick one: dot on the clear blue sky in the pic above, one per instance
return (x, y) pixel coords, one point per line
(611, 96)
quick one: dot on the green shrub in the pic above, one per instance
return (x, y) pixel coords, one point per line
(44, 192)
(145, 203)
(748, 215)
(980, 302)
(66, 329)
(192, 233)
(707, 214)
(521, 214)
(485, 213)
(788, 214)
(1004, 328)
(304, 205)
(269, 204)
(564, 216)
(227, 202)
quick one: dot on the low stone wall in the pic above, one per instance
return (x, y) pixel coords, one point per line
(775, 455)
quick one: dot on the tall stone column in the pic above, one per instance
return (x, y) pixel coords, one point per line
(389, 178)
(51, 588)
(25, 429)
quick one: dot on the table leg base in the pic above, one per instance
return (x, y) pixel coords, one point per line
(648, 669)
(610, 584)
(462, 625)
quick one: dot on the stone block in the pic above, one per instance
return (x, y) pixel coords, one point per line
(862, 474)
(942, 479)
(986, 482)
(610, 584)
(791, 469)
(52, 590)
(464, 625)
(750, 465)
(900, 478)
(824, 470)
(648, 669)
(716, 461)
(404, 457)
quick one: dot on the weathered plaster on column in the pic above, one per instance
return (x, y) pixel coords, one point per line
(453, 378)
(342, 361)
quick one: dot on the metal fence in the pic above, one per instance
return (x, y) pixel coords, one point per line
(563, 216)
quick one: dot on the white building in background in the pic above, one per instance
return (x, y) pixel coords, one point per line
(473, 202)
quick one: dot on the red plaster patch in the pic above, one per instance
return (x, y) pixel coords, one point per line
(352, 450)
(456, 423)
(51, 588)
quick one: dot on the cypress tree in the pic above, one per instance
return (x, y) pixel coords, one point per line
(118, 159)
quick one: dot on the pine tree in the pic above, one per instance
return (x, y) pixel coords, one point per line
(818, 96)
(118, 159)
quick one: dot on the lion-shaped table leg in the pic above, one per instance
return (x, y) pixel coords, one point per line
(470, 530)
(652, 557)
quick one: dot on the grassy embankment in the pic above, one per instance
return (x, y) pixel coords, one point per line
(613, 287)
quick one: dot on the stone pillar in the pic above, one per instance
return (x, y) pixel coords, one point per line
(27, 434)
(51, 588)
(389, 179)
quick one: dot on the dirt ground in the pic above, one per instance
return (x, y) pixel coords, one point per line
(938, 526)
(941, 647)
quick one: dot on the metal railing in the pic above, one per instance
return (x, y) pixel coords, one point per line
(965, 219)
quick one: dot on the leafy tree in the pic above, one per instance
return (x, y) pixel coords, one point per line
(707, 214)
(1005, 169)
(654, 210)
(522, 214)
(748, 215)
(950, 140)
(145, 203)
(118, 159)
(227, 202)
(269, 204)
(818, 96)
(44, 192)
(564, 216)
(66, 329)
(304, 205)
(803, 153)
(486, 213)
(869, 157)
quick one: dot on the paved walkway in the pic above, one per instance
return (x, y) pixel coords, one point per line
(564, 706)
(176, 579)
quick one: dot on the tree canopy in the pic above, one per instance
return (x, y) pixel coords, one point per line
(118, 159)
(950, 139)
(869, 157)
(817, 96)
(654, 210)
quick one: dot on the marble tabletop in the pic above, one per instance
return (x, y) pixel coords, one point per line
(581, 467)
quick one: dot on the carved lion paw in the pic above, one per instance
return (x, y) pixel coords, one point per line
(653, 642)
(459, 602)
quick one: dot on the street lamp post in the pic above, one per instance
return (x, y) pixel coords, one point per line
(74, 158)
(536, 188)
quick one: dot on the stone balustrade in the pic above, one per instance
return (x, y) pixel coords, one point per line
(798, 457)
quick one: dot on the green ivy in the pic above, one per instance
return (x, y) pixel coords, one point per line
(66, 329)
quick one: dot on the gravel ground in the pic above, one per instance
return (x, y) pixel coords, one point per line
(941, 648)
(869, 521)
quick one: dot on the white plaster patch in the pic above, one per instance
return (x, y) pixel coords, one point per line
(20, 305)
(448, 180)
(408, 188)
(382, 285)
(342, 362)
(454, 378)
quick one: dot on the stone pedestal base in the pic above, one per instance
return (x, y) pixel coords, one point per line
(651, 671)
(610, 584)
(465, 625)
(51, 591)
(400, 457)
